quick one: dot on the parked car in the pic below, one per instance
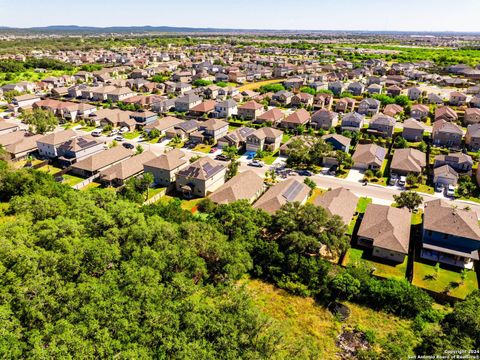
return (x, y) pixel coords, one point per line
(438, 188)
(450, 190)
(255, 163)
(333, 170)
(123, 130)
(97, 132)
(118, 138)
(128, 146)
(213, 149)
(250, 155)
(393, 179)
(222, 157)
(402, 181)
(304, 173)
(113, 132)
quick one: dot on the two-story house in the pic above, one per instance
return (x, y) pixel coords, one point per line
(448, 134)
(369, 107)
(383, 125)
(352, 122)
(265, 138)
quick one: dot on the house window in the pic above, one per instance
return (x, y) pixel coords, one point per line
(392, 254)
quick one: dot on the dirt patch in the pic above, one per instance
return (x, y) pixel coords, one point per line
(350, 342)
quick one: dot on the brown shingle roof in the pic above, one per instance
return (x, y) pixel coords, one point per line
(340, 201)
(127, 168)
(242, 186)
(388, 227)
(102, 159)
(290, 190)
(169, 161)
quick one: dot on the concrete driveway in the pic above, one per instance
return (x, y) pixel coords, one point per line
(355, 175)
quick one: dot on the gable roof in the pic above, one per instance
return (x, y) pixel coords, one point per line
(388, 227)
(103, 159)
(340, 201)
(58, 137)
(169, 161)
(202, 169)
(127, 168)
(242, 186)
(290, 190)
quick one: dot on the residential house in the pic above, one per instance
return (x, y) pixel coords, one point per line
(352, 122)
(393, 110)
(183, 130)
(475, 101)
(210, 130)
(457, 98)
(408, 161)
(117, 174)
(236, 138)
(301, 117)
(338, 142)
(445, 175)
(324, 119)
(265, 138)
(458, 161)
(472, 138)
(19, 144)
(386, 230)
(447, 134)
(336, 87)
(187, 102)
(290, 190)
(78, 148)
(282, 97)
(414, 93)
(163, 124)
(203, 109)
(250, 110)
(382, 125)
(434, 99)
(374, 89)
(369, 107)
(356, 88)
(226, 108)
(340, 201)
(144, 117)
(244, 186)
(419, 111)
(345, 105)
(165, 167)
(450, 235)
(23, 102)
(273, 117)
(94, 164)
(413, 130)
(200, 177)
(119, 94)
(7, 127)
(302, 99)
(114, 118)
(48, 145)
(323, 101)
(472, 116)
(446, 113)
(369, 156)
(394, 90)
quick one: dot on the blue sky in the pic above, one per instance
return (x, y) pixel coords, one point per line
(421, 15)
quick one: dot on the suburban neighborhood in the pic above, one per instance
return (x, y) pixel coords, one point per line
(360, 150)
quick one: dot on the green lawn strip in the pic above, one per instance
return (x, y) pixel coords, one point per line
(315, 193)
(154, 191)
(285, 138)
(203, 148)
(388, 271)
(71, 180)
(154, 140)
(362, 204)
(131, 135)
(425, 276)
(422, 188)
(50, 169)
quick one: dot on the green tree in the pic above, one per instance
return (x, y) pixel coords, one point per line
(41, 121)
(409, 199)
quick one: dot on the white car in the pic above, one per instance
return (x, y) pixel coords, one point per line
(255, 163)
(113, 132)
(124, 130)
(402, 181)
(97, 132)
(450, 190)
(118, 138)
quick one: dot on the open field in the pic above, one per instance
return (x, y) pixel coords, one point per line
(256, 85)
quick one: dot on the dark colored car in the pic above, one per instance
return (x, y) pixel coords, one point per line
(222, 157)
(128, 146)
(333, 169)
(304, 173)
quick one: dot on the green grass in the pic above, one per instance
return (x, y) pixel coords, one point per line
(189, 205)
(311, 328)
(154, 191)
(71, 180)
(362, 204)
(131, 135)
(31, 75)
(422, 188)
(424, 277)
(356, 256)
(203, 148)
(315, 193)
(256, 85)
(92, 185)
(88, 128)
(269, 159)
(286, 137)
(417, 217)
(50, 169)
(154, 140)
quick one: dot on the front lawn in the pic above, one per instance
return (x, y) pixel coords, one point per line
(88, 128)
(203, 148)
(383, 268)
(421, 188)
(447, 280)
(362, 204)
(131, 135)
